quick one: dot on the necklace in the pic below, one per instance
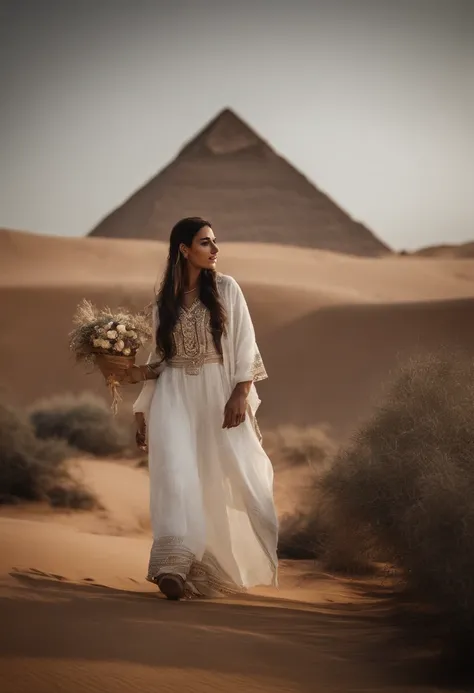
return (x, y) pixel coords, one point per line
(191, 290)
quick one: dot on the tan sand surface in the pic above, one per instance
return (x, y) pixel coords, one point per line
(459, 251)
(77, 614)
(331, 327)
(27, 259)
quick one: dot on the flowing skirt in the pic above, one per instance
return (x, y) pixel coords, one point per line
(211, 490)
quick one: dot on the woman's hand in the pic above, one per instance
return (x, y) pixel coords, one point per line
(134, 375)
(236, 407)
(138, 374)
(140, 435)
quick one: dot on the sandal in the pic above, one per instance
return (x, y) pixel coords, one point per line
(172, 586)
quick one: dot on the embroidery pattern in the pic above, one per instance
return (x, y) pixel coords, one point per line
(258, 369)
(169, 555)
(204, 578)
(208, 579)
(193, 341)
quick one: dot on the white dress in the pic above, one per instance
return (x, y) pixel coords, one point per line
(211, 489)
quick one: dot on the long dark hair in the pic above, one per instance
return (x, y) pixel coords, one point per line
(171, 293)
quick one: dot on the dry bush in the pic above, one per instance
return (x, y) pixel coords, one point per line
(302, 458)
(302, 536)
(84, 421)
(35, 470)
(407, 483)
(293, 446)
(70, 494)
(299, 457)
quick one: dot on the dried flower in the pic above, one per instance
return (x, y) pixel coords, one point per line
(88, 338)
(93, 332)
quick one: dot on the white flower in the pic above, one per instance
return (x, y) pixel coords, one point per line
(132, 334)
(109, 325)
(97, 343)
(112, 334)
(105, 344)
(119, 346)
(121, 329)
(127, 351)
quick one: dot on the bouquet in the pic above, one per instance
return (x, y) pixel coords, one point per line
(108, 340)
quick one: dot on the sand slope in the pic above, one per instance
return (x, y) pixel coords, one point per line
(330, 327)
(28, 260)
(77, 614)
(460, 250)
(343, 320)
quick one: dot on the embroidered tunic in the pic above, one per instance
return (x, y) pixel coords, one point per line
(211, 489)
(193, 341)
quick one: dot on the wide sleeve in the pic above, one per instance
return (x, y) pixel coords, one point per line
(248, 361)
(143, 402)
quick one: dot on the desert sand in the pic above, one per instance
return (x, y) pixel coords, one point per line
(346, 321)
(458, 250)
(79, 615)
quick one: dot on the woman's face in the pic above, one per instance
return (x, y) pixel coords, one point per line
(203, 251)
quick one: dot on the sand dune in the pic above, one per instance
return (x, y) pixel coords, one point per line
(330, 327)
(339, 358)
(79, 637)
(460, 250)
(80, 616)
(32, 260)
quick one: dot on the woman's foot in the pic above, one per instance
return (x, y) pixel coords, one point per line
(172, 586)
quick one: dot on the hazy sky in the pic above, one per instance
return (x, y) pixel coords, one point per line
(372, 99)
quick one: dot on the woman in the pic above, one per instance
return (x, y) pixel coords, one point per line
(212, 512)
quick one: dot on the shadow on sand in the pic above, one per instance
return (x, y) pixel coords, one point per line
(305, 648)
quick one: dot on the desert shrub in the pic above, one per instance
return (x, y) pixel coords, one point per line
(35, 470)
(21, 467)
(293, 446)
(302, 536)
(407, 483)
(70, 494)
(299, 457)
(85, 422)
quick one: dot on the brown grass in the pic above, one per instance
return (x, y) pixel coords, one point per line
(32, 469)
(299, 457)
(406, 483)
(84, 422)
(302, 458)
(293, 446)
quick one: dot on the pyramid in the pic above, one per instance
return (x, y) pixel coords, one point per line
(231, 176)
